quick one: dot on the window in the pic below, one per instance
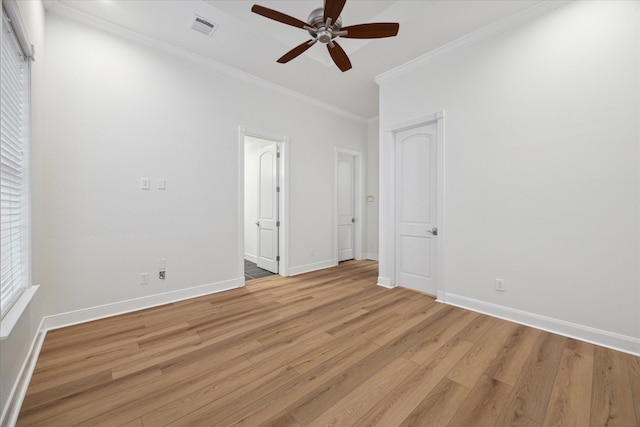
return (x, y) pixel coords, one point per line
(14, 182)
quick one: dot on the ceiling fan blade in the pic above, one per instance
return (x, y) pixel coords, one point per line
(339, 56)
(333, 9)
(296, 51)
(278, 16)
(376, 30)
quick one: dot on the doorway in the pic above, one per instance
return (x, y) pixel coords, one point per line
(262, 204)
(348, 205)
(412, 205)
(416, 208)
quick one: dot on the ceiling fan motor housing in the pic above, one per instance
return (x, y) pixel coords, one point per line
(323, 33)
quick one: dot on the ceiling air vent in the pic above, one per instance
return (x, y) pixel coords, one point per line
(203, 25)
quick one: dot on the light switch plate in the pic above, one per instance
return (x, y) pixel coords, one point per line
(145, 183)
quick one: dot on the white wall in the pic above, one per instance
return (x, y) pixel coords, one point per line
(251, 148)
(14, 351)
(372, 207)
(118, 111)
(541, 165)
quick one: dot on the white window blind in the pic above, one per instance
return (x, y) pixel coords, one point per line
(14, 118)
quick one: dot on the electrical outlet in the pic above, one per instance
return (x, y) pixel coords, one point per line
(144, 278)
(162, 275)
(500, 285)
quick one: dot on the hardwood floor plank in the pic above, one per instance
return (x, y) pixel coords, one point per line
(570, 402)
(72, 411)
(66, 390)
(409, 319)
(439, 333)
(153, 356)
(306, 385)
(580, 346)
(471, 367)
(72, 370)
(199, 396)
(508, 364)
(509, 417)
(133, 423)
(366, 396)
(216, 354)
(405, 398)
(484, 404)
(316, 357)
(323, 348)
(231, 402)
(477, 328)
(611, 399)
(283, 419)
(439, 406)
(532, 391)
(341, 385)
(635, 389)
(292, 346)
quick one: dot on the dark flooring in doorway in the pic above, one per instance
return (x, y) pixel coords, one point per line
(252, 271)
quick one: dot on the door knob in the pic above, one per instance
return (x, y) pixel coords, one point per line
(433, 231)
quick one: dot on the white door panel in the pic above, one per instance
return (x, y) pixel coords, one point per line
(346, 207)
(416, 210)
(268, 208)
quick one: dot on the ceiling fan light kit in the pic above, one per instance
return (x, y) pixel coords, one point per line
(325, 25)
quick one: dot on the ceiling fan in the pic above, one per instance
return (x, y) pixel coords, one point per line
(325, 25)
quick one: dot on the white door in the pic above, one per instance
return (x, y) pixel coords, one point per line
(268, 208)
(346, 207)
(416, 210)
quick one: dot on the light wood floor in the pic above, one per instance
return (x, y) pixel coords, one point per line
(325, 348)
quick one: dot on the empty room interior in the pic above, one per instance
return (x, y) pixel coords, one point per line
(279, 213)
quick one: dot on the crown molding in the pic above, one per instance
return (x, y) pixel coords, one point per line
(473, 37)
(84, 18)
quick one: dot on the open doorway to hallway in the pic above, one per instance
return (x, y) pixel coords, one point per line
(263, 205)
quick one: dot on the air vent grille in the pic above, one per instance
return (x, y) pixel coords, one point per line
(203, 25)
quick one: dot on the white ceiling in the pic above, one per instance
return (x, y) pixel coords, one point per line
(252, 43)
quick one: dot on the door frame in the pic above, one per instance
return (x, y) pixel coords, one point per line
(358, 196)
(283, 200)
(388, 225)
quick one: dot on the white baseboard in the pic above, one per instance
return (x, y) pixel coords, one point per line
(385, 282)
(307, 268)
(107, 310)
(599, 337)
(252, 258)
(11, 410)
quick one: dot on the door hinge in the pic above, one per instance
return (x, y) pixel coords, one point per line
(277, 189)
(278, 258)
(277, 223)
(353, 220)
(278, 154)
